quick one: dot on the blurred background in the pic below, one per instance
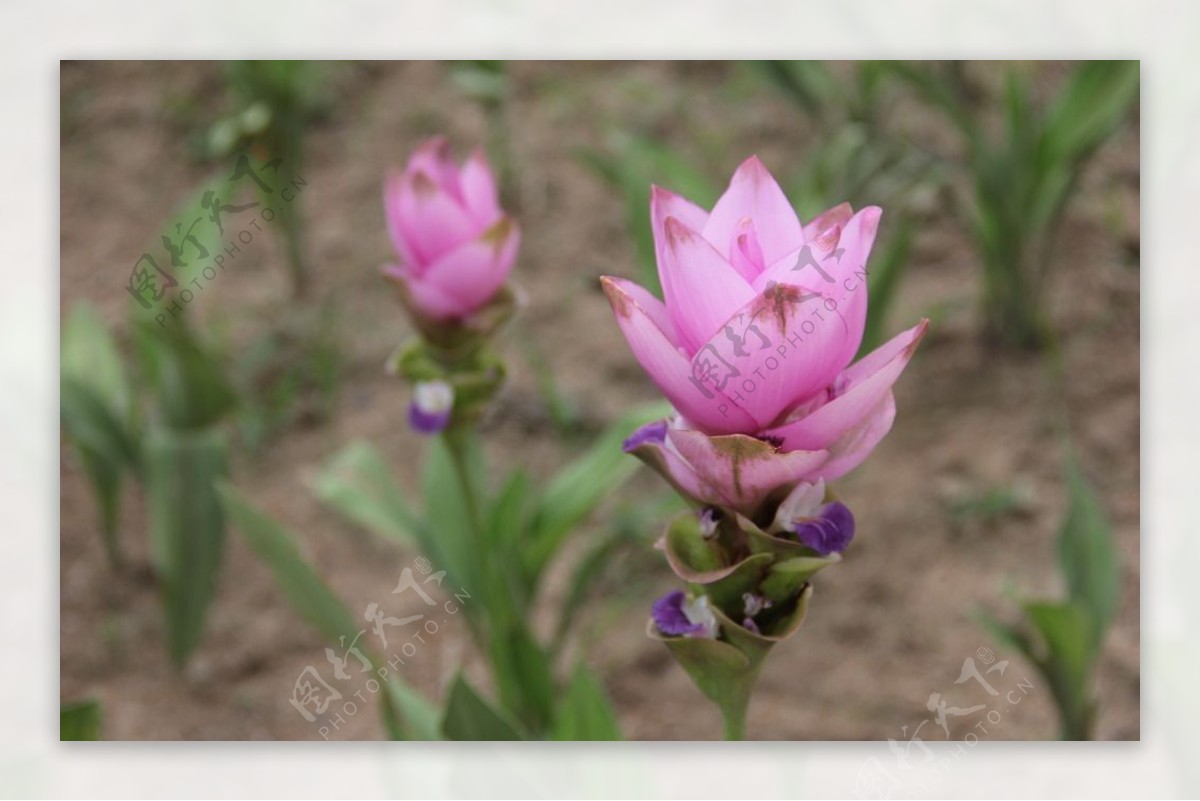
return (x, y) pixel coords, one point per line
(1011, 220)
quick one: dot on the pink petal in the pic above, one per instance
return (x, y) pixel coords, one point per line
(431, 220)
(746, 255)
(427, 299)
(861, 394)
(391, 207)
(838, 215)
(472, 273)
(479, 192)
(668, 368)
(664, 204)
(833, 264)
(774, 352)
(852, 448)
(702, 290)
(741, 469)
(754, 193)
(433, 158)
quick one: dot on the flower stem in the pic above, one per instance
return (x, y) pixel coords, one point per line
(733, 714)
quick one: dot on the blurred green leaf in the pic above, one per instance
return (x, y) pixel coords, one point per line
(451, 542)
(91, 358)
(807, 83)
(1067, 663)
(579, 487)
(189, 381)
(883, 281)
(1087, 556)
(632, 165)
(1097, 99)
(406, 712)
(522, 671)
(187, 527)
(79, 720)
(308, 594)
(407, 715)
(358, 483)
(94, 427)
(470, 717)
(585, 713)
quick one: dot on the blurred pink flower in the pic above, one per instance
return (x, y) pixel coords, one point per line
(753, 344)
(456, 245)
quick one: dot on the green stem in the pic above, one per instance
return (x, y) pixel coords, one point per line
(458, 442)
(734, 717)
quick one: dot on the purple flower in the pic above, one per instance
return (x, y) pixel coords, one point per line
(829, 532)
(675, 616)
(432, 406)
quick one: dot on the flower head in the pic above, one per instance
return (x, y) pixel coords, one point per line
(753, 343)
(455, 243)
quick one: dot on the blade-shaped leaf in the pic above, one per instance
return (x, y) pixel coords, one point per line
(406, 713)
(1098, 98)
(358, 483)
(190, 383)
(90, 357)
(1087, 555)
(585, 713)
(470, 717)
(577, 489)
(94, 426)
(308, 594)
(187, 526)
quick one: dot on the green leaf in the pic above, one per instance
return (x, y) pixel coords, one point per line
(470, 717)
(93, 426)
(522, 671)
(585, 713)
(80, 720)
(579, 487)
(97, 414)
(358, 483)
(192, 389)
(91, 358)
(187, 527)
(807, 83)
(1067, 663)
(450, 543)
(407, 715)
(307, 593)
(883, 280)
(1098, 98)
(1087, 555)
(105, 478)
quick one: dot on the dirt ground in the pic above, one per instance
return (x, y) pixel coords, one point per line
(890, 626)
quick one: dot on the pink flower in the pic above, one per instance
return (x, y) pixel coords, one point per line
(455, 243)
(753, 344)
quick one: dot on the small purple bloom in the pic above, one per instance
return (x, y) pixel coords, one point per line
(432, 406)
(749, 625)
(709, 519)
(676, 616)
(830, 531)
(652, 433)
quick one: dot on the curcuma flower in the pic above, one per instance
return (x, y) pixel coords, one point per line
(752, 344)
(456, 245)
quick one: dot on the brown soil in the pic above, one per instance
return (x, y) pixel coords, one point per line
(886, 629)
